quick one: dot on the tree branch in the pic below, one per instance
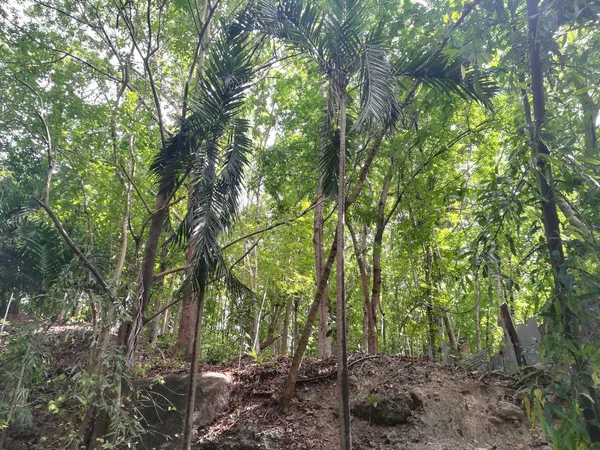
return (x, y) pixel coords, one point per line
(86, 262)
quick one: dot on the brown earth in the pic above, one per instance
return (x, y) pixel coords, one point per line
(448, 408)
(458, 411)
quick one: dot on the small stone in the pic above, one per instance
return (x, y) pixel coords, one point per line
(495, 420)
(507, 411)
(418, 398)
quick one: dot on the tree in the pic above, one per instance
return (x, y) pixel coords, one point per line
(214, 147)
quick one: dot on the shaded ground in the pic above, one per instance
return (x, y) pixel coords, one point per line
(453, 409)
(457, 409)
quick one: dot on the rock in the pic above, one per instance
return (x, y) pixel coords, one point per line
(418, 398)
(520, 395)
(162, 406)
(242, 437)
(386, 408)
(495, 420)
(507, 411)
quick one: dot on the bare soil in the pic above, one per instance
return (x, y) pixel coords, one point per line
(455, 412)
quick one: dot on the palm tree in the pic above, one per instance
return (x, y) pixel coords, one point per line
(213, 147)
(335, 39)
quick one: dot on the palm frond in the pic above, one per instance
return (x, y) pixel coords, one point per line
(379, 105)
(171, 162)
(297, 23)
(13, 209)
(221, 151)
(453, 76)
(42, 248)
(343, 27)
(233, 284)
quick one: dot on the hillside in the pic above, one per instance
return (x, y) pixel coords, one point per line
(397, 403)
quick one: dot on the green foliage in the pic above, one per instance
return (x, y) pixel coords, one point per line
(462, 229)
(23, 370)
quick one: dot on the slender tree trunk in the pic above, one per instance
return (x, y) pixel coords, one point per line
(341, 348)
(450, 331)
(165, 324)
(187, 326)
(257, 320)
(541, 154)
(431, 318)
(290, 383)
(359, 253)
(155, 323)
(477, 303)
(188, 430)
(511, 331)
(590, 117)
(271, 336)
(131, 330)
(296, 331)
(377, 251)
(324, 341)
(286, 328)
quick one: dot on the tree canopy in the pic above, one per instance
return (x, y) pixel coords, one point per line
(188, 175)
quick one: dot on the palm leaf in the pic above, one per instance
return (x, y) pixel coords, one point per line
(453, 76)
(220, 153)
(379, 105)
(298, 24)
(343, 26)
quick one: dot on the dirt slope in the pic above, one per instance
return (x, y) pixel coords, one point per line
(431, 406)
(454, 409)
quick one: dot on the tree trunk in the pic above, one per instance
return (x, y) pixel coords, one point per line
(283, 349)
(590, 117)
(541, 153)
(271, 336)
(477, 302)
(377, 250)
(188, 430)
(165, 323)
(429, 298)
(290, 383)
(324, 341)
(130, 331)
(359, 253)
(296, 330)
(450, 331)
(257, 320)
(155, 323)
(512, 333)
(341, 347)
(187, 320)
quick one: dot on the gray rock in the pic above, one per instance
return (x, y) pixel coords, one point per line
(162, 406)
(386, 408)
(242, 437)
(507, 411)
(520, 395)
(418, 398)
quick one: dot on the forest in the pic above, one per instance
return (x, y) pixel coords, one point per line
(289, 186)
